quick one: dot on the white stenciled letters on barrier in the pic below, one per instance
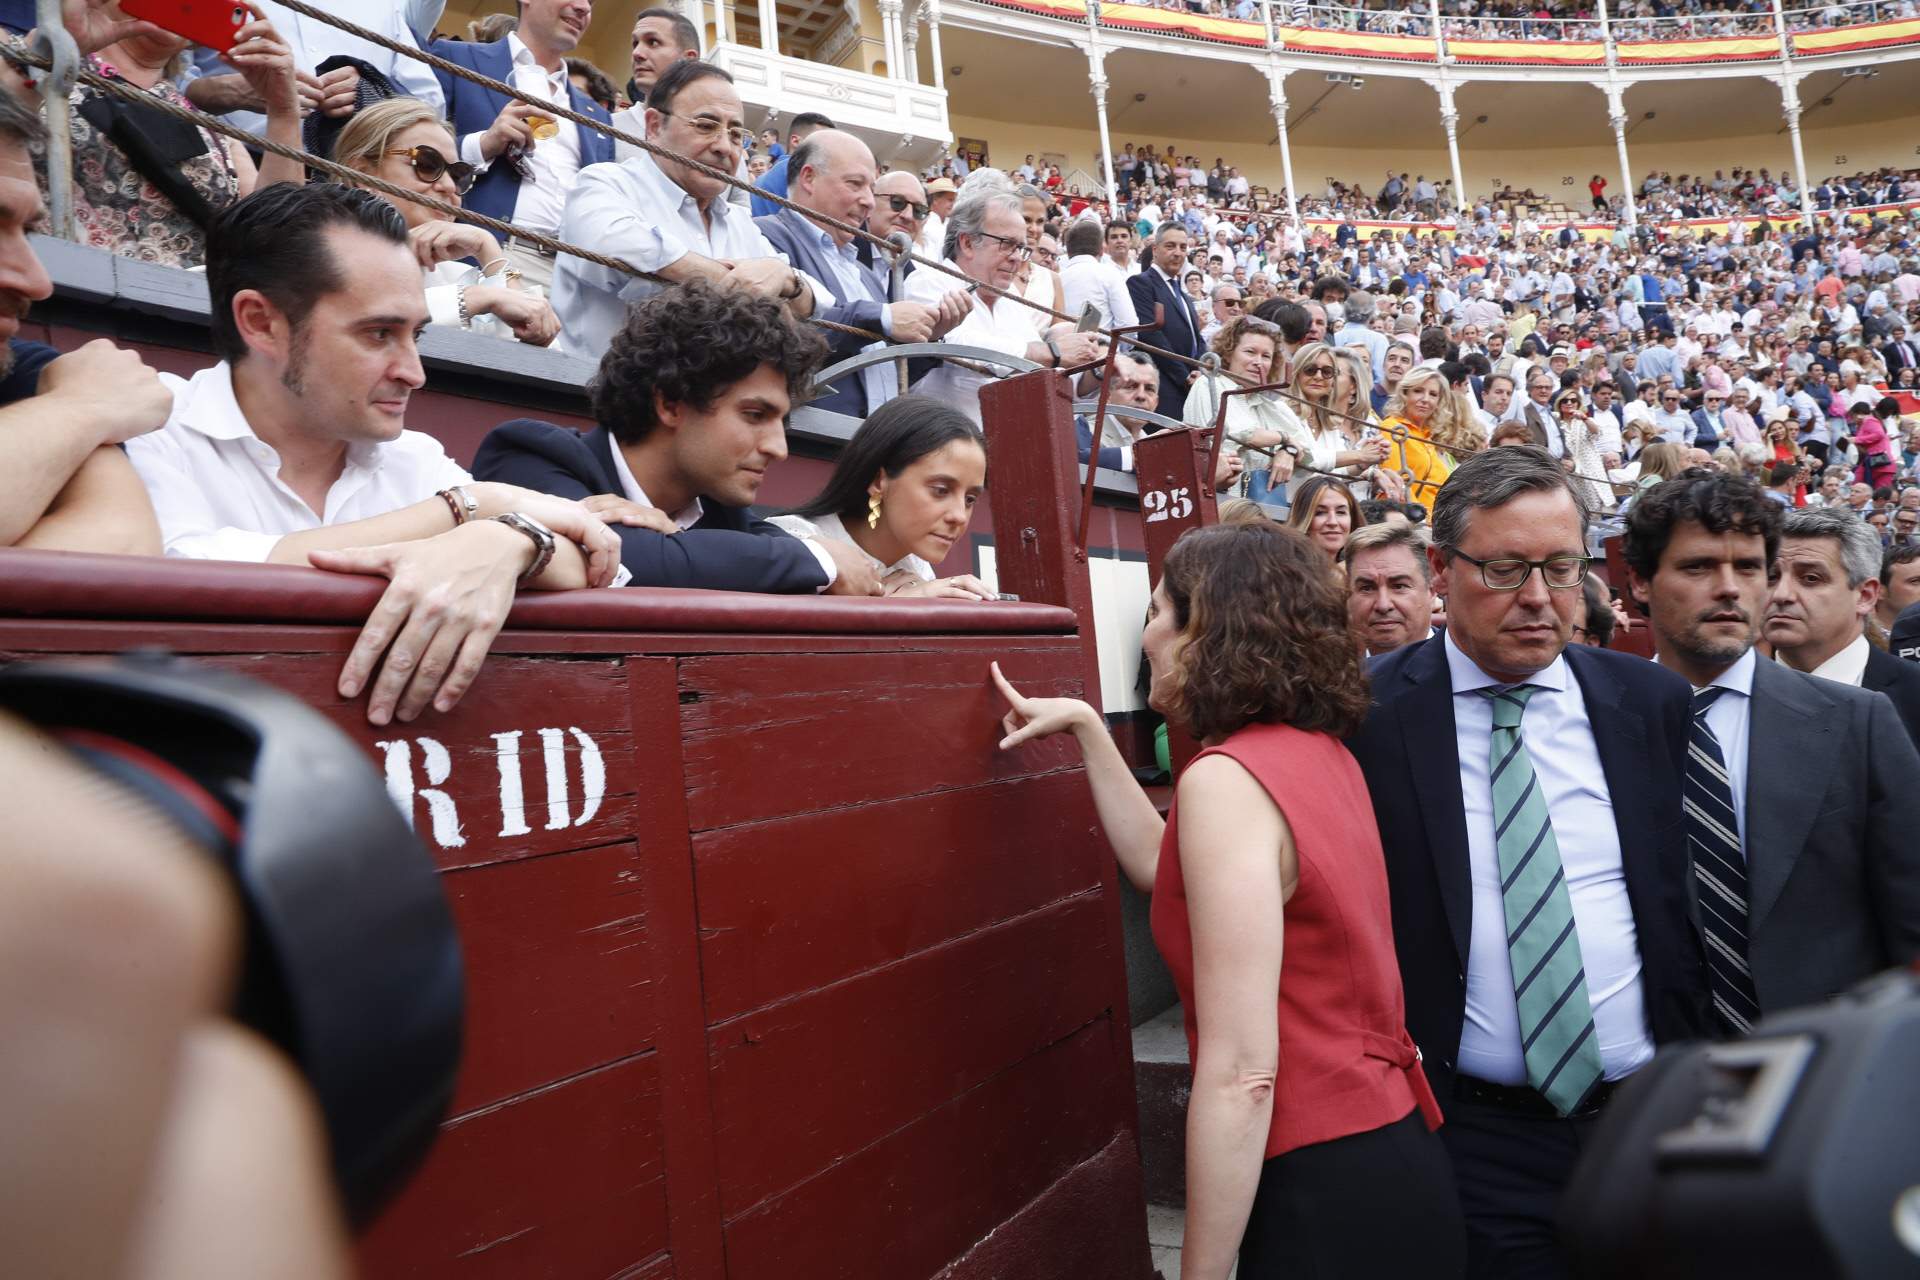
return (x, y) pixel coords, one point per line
(437, 765)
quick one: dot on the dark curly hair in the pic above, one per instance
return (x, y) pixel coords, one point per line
(687, 345)
(1715, 500)
(1263, 635)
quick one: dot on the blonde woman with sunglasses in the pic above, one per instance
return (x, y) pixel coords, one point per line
(1325, 387)
(404, 141)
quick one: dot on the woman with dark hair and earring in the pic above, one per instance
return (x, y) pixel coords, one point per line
(903, 492)
(1310, 1143)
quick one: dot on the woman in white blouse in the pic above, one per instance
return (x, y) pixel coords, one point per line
(904, 492)
(1265, 430)
(403, 141)
(1329, 404)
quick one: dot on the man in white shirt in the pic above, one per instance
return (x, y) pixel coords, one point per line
(1120, 250)
(528, 160)
(989, 238)
(941, 193)
(668, 219)
(292, 450)
(661, 37)
(1090, 277)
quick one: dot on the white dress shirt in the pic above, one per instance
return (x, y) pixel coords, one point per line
(1848, 666)
(632, 211)
(688, 516)
(1559, 740)
(555, 161)
(313, 42)
(1004, 327)
(1731, 719)
(216, 486)
(1090, 278)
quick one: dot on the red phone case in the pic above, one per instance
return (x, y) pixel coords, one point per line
(208, 22)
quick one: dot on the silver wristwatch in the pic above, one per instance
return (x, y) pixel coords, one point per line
(543, 541)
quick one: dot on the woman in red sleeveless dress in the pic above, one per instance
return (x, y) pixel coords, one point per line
(1310, 1143)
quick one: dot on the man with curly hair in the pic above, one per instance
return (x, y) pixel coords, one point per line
(692, 400)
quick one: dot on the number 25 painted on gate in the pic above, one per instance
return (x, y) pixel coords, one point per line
(1162, 504)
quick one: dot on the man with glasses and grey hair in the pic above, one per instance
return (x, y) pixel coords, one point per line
(986, 240)
(1528, 794)
(1228, 305)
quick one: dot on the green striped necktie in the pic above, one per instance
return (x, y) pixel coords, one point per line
(1549, 978)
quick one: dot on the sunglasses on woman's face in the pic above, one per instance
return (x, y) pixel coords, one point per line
(1317, 371)
(429, 165)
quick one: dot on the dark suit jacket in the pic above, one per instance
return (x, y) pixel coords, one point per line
(728, 550)
(1900, 681)
(793, 236)
(474, 108)
(1180, 332)
(1833, 861)
(1109, 455)
(1641, 717)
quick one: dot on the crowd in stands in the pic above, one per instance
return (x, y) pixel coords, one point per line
(1575, 20)
(1440, 435)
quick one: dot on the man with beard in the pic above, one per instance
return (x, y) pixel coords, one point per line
(66, 485)
(292, 450)
(1800, 804)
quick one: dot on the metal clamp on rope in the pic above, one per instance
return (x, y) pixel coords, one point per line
(63, 57)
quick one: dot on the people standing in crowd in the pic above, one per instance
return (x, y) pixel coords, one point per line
(292, 449)
(903, 493)
(1825, 590)
(468, 278)
(833, 176)
(691, 402)
(667, 218)
(1389, 586)
(1159, 286)
(1529, 799)
(66, 486)
(987, 242)
(1795, 908)
(1090, 278)
(1320, 1158)
(528, 162)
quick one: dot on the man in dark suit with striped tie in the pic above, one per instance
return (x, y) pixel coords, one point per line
(1528, 794)
(1179, 329)
(1800, 796)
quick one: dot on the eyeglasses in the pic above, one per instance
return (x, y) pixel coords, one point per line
(1232, 304)
(900, 204)
(430, 166)
(1317, 371)
(1561, 573)
(1018, 248)
(1669, 399)
(706, 128)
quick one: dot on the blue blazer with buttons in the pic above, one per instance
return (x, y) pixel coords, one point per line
(474, 108)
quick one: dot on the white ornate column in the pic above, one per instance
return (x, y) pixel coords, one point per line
(1617, 119)
(1790, 112)
(1097, 83)
(1277, 99)
(769, 27)
(1450, 121)
(933, 35)
(910, 68)
(890, 35)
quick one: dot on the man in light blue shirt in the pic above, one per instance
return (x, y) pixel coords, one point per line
(668, 218)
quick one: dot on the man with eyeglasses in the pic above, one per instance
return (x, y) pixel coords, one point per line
(1528, 794)
(1673, 424)
(899, 204)
(668, 218)
(1228, 305)
(987, 243)
(528, 162)
(834, 178)
(1709, 420)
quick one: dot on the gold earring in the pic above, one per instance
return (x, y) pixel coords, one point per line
(873, 511)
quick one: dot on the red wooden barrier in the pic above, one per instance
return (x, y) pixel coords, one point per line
(777, 966)
(1175, 473)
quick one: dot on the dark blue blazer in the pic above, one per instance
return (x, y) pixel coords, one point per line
(1109, 455)
(1900, 681)
(1704, 436)
(1179, 332)
(728, 550)
(1641, 716)
(792, 235)
(475, 108)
